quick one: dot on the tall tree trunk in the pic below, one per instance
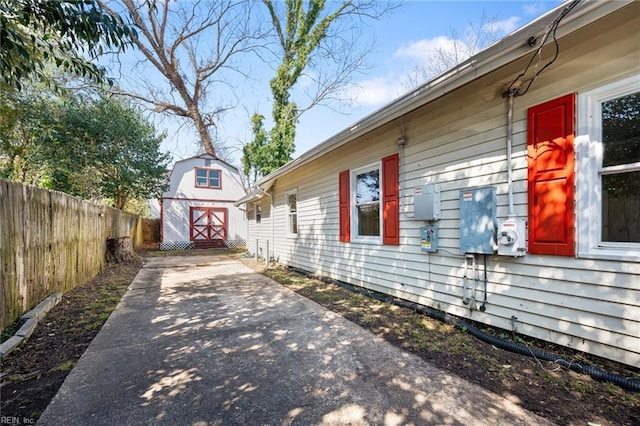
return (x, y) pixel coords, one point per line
(203, 131)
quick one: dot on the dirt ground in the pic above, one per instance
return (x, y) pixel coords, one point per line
(31, 375)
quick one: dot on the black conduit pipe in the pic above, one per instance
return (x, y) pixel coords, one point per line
(596, 373)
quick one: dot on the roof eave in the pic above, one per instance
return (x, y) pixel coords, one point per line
(508, 49)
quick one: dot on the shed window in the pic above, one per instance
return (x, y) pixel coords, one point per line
(609, 170)
(208, 178)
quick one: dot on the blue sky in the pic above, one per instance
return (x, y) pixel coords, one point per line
(402, 41)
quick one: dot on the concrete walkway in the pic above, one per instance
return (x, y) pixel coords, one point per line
(206, 341)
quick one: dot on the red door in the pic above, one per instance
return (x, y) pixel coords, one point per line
(208, 226)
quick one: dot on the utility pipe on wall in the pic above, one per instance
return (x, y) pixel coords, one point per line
(512, 213)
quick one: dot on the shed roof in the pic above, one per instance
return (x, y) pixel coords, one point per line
(206, 156)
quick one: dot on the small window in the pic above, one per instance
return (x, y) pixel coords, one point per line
(609, 171)
(292, 209)
(258, 213)
(208, 178)
(366, 203)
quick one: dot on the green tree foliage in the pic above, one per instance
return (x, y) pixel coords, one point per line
(124, 151)
(305, 40)
(36, 33)
(256, 155)
(101, 149)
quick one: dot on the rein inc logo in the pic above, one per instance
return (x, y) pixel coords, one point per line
(15, 420)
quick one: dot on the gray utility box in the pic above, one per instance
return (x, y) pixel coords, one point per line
(426, 202)
(478, 220)
(429, 239)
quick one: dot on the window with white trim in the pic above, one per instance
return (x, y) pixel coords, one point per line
(208, 178)
(608, 176)
(366, 220)
(292, 212)
(258, 209)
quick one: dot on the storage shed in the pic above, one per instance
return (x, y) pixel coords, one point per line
(198, 209)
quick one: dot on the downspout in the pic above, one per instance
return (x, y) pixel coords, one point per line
(271, 212)
(512, 213)
(161, 220)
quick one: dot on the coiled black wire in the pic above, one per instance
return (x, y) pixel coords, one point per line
(595, 372)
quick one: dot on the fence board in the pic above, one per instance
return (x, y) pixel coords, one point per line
(50, 242)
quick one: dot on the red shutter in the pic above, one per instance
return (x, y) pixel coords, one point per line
(390, 201)
(345, 214)
(550, 157)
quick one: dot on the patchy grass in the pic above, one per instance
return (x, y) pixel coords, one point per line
(65, 366)
(545, 388)
(33, 372)
(11, 329)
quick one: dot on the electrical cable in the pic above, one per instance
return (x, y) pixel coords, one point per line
(550, 30)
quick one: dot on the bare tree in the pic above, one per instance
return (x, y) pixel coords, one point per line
(321, 43)
(194, 46)
(319, 49)
(449, 51)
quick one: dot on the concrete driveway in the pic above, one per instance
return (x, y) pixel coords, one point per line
(206, 341)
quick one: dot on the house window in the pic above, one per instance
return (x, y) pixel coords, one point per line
(208, 178)
(609, 171)
(365, 215)
(258, 213)
(368, 203)
(292, 209)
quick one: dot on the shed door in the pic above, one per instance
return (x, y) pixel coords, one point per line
(208, 223)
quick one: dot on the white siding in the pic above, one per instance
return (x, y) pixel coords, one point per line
(183, 193)
(261, 235)
(459, 141)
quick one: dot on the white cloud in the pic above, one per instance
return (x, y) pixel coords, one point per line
(422, 49)
(503, 27)
(533, 8)
(374, 92)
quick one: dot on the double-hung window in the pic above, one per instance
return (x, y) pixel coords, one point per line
(208, 178)
(366, 203)
(258, 209)
(608, 146)
(292, 211)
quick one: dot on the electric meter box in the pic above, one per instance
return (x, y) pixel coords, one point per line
(478, 220)
(512, 237)
(426, 202)
(429, 239)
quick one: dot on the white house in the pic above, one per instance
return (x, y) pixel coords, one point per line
(198, 209)
(505, 190)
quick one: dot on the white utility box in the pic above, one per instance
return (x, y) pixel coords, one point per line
(512, 237)
(426, 204)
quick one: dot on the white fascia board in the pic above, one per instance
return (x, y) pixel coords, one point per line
(257, 192)
(506, 50)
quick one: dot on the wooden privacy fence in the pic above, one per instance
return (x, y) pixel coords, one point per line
(150, 231)
(51, 242)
